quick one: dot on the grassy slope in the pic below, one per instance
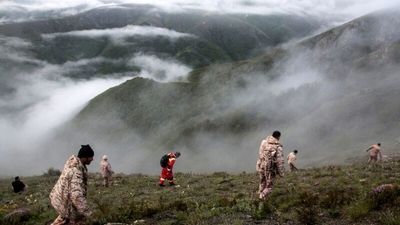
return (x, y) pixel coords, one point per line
(327, 195)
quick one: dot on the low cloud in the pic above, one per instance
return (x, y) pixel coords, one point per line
(338, 10)
(120, 34)
(162, 70)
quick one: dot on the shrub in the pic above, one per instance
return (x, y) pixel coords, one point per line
(261, 210)
(384, 194)
(358, 210)
(306, 210)
(390, 218)
(52, 172)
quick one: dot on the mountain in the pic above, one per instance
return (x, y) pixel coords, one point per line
(215, 37)
(336, 90)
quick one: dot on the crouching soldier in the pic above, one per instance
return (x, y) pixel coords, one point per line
(167, 163)
(18, 185)
(270, 163)
(68, 196)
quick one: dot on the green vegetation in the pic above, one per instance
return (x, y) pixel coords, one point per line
(326, 195)
(193, 51)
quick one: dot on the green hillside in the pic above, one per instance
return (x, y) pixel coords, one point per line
(326, 195)
(346, 106)
(219, 37)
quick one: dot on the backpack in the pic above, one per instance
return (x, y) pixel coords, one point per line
(164, 161)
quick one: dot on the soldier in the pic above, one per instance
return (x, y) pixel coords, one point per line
(68, 196)
(167, 166)
(374, 151)
(270, 163)
(105, 170)
(291, 158)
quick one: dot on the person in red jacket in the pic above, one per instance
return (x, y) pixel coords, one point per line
(166, 172)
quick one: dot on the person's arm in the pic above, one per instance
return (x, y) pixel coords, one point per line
(171, 163)
(370, 147)
(109, 168)
(78, 197)
(260, 154)
(380, 155)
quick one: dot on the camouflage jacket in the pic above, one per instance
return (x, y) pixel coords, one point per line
(270, 157)
(105, 168)
(68, 196)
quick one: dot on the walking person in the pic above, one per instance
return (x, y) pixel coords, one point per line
(68, 196)
(167, 163)
(291, 158)
(270, 163)
(105, 170)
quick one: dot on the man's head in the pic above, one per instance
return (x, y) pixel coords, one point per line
(105, 157)
(86, 154)
(379, 144)
(16, 178)
(276, 134)
(177, 154)
(295, 151)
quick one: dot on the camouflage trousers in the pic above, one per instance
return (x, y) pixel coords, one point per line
(107, 181)
(373, 159)
(266, 182)
(64, 221)
(292, 167)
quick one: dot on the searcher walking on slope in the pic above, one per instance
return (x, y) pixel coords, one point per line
(167, 163)
(270, 163)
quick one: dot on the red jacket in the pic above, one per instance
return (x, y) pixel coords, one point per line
(171, 161)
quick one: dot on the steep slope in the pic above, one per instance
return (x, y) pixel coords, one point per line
(327, 195)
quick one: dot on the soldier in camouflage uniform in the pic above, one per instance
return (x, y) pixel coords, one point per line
(374, 151)
(270, 163)
(68, 196)
(105, 170)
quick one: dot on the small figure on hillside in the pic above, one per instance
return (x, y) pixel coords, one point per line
(105, 170)
(18, 185)
(291, 158)
(270, 163)
(167, 163)
(374, 151)
(68, 196)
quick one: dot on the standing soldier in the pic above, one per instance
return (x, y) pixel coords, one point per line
(374, 151)
(105, 170)
(291, 158)
(270, 163)
(68, 196)
(167, 163)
